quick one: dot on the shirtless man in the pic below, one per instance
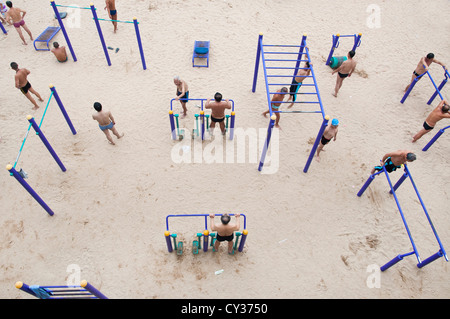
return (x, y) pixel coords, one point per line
(297, 82)
(59, 52)
(16, 15)
(394, 160)
(346, 69)
(105, 122)
(276, 106)
(439, 113)
(225, 231)
(329, 133)
(23, 85)
(217, 111)
(423, 66)
(3, 10)
(112, 12)
(182, 93)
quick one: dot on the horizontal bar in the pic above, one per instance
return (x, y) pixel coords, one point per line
(202, 215)
(284, 45)
(75, 7)
(115, 20)
(264, 52)
(297, 111)
(279, 60)
(287, 84)
(291, 93)
(347, 36)
(289, 76)
(298, 102)
(285, 68)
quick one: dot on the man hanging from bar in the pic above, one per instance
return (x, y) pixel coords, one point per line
(297, 82)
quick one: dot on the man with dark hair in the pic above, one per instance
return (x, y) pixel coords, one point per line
(225, 231)
(345, 70)
(21, 82)
(217, 112)
(394, 160)
(423, 67)
(439, 113)
(16, 15)
(297, 82)
(105, 122)
(59, 52)
(278, 97)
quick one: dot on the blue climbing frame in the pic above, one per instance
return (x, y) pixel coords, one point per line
(84, 291)
(301, 56)
(440, 253)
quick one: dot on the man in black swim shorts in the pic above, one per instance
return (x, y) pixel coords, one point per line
(345, 70)
(225, 231)
(394, 160)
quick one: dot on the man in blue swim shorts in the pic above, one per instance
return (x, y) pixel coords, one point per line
(105, 122)
(112, 12)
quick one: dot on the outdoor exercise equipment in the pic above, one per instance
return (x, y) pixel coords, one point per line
(84, 291)
(335, 62)
(441, 252)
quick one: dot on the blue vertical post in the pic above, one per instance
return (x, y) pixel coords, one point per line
(25, 185)
(100, 34)
(92, 290)
(172, 125)
(431, 142)
(410, 88)
(168, 241)
(3, 29)
(63, 29)
(258, 56)
(357, 41)
(233, 115)
(243, 239)
(316, 143)
(45, 141)
(266, 144)
(333, 47)
(202, 124)
(441, 86)
(300, 54)
(138, 36)
(205, 240)
(63, 110)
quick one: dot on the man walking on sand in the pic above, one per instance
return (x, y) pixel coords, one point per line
(16, 15)
(105, 122)
(182, 93)
(329, 133)
(423, 66)
(276, 106)
(112, 12)
(217, 112)
(394, 160)
(345, 70)
(21, 82)
(439, 113)
(225, 231)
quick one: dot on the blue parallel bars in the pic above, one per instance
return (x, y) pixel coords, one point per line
(335, 44)
(413, 83)
(441, 86)
(440, 253)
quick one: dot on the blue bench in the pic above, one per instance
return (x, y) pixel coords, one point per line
(201, 51)
(46, 37)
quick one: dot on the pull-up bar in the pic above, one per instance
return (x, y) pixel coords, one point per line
(440, 253)
(335, 43)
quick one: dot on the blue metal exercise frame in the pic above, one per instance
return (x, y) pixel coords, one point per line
(440, 253)
(303, 51)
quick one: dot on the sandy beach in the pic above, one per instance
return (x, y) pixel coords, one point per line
(309, 234)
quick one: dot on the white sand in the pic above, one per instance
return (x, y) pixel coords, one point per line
(310, 236)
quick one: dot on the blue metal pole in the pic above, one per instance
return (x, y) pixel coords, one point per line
(333, 47)
(399, 182)
(316, 143)
(430, 259)
(394, 261)
(401, 214)
(92, 290)
(441, 86)
(63, 110)
(25, 185)
(425, 211)
(45, 141)
(100, 34)
(258, 56)
(3, 29)
(357, 41)
(63, 29)
(141, 50)
(202, 122)
(266, 144)
(410, 88)
(172, 125)
(431, 142)
(300, 54)
(233, 115)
